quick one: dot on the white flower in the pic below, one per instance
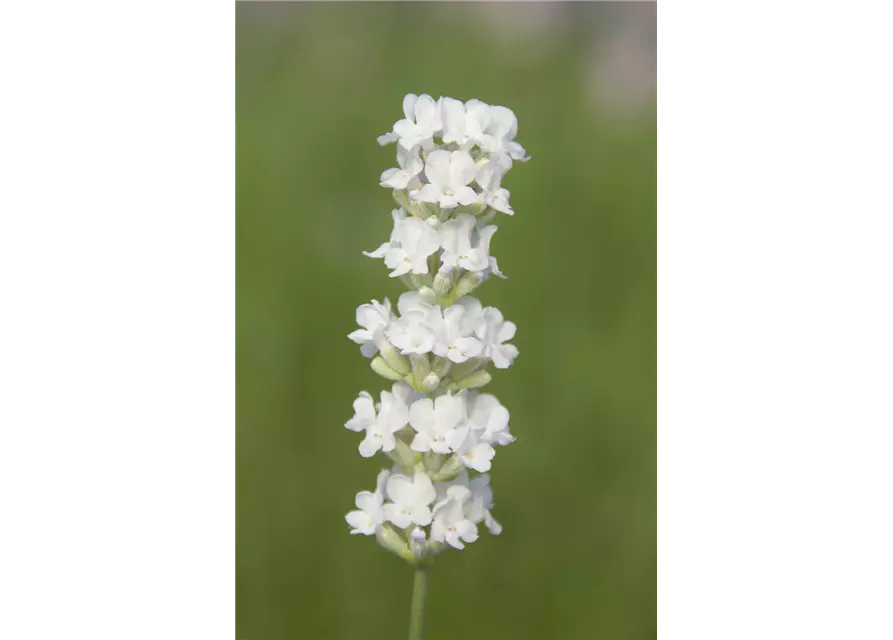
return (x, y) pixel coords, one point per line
(415, 301)
(455, 339)
(492, 270)
(489, 177)
(476, 453)
(448, 175)
(380, 426)
(477, 119)
(499, 131)
(413, 241)
(411, 499)
(454, 122)
(463, 246)
(438, 423)
(489, 418)
(411, 333)
(398, 215)
(450, 524)
(410, 164)
(373, 318)
(481, 503)
(371, 511)
(421, 124)
(497, 331)
(472, 321)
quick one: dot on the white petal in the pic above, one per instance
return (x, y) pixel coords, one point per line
(368, 502)
(462, 169)
(409, 102)
(369, 446)
(421, 415)
(395, 514)
(360, 523)
(399, 488)
(437, 169)
(387, 138)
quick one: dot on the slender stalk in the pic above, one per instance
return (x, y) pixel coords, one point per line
(419, 589)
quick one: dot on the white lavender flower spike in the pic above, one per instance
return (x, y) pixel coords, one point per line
(433, 423)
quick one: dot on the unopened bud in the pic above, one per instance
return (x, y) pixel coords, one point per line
(393, 358)
(473, 381)
(467, 283)
(380, 367)
(427, 295)
(403, 456)
(430, 382)
(402, 199)
(421, 366)
(448, 470)
(464, 369)
(441, 366)
(394, 542)
(443, 283)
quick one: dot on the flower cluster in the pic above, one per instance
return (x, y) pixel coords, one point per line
(434, 424)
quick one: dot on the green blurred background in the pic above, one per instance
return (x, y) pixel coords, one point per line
(316, 83)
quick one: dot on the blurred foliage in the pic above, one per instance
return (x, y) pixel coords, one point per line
(316, 83)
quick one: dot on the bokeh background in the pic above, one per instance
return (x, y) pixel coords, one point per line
(316, 83)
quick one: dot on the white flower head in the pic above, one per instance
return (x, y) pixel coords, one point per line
(421, 124)
(476, 453)
(463, 246)
(411, 244)
(373, 318)
(411, 333)
(410, 165)
(381, 421)
(472, 321)
(481, 503)
(411, 499)
(370, 514)
(450, 524)
(496, 332)
(448, 175)
(489, 178)
(499, 131)
(489, 418)
(459, 126)
(439, 423)
(455, 338)
(398, 216)
(492, 270)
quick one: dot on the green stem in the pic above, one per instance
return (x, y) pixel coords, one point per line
(419, 587)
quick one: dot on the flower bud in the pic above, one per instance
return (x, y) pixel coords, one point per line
(427, 295)
(441, 366)
(417, 543)
(467, 283)
(448, 470)
(421, 367)
(380, 367)
(403, 456)
(443, 284)
(473, 381)
(393, 358)
(464, 369)
(430, 382)
(402, 199)
(420, 281)
(394, 542)
(477, 208)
